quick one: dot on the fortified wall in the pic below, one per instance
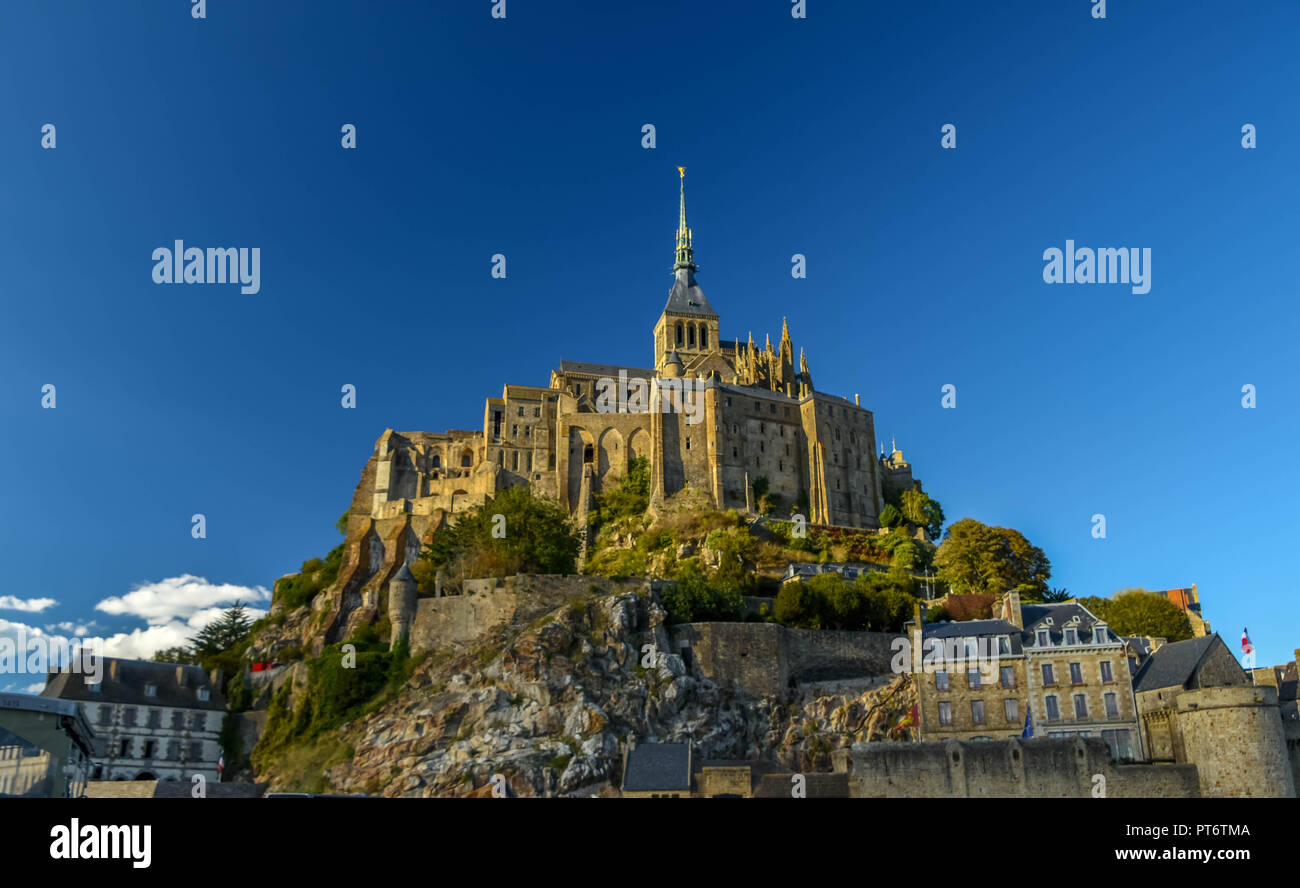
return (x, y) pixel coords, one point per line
(766, 658)
(1055, 768)
(1246, 721)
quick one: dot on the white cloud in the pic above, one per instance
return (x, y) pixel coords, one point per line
(179, 599)
(35, 688)
(30, 605)
(174, 610)
(73, 628)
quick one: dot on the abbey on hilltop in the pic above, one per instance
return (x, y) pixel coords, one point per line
(760, 418)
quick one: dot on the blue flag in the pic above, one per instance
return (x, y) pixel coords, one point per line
(1029, 723)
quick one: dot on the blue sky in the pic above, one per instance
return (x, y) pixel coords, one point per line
(523, 136)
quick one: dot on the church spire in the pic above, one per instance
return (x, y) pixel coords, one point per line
(685, 253)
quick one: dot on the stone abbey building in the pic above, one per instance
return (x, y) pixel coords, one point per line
(712, 415)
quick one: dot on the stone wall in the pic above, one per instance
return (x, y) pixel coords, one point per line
(1064, 768)
(765, 658)
(458, 620)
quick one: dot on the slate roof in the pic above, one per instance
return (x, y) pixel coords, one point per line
(686, 298)
(128, 686)
(1140, 643)
(1174, 664)
(851, 570)
(658, 767)
(1035, 617)
(586, 368)
(975, 629)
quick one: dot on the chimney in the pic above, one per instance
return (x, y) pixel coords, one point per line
(214, 679)
(857, 399)
(1011, 609)
(180, 676)
(112, 669)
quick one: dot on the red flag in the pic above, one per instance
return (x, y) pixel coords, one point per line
(908, 720)
(1246, 646)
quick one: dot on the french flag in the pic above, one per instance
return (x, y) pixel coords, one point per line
(1246, 646)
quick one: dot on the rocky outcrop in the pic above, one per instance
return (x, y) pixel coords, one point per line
(550, 706)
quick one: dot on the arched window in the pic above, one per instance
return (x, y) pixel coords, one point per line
(437, 461)
(467, 457)
(587, 454)
(680, 334)
(690, 336)
(704, 336)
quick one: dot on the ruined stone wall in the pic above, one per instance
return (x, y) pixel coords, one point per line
(765, 658)
(1064, 768)
(1236, 738)
(459, 620)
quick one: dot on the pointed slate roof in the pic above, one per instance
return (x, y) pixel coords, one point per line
(686, 297)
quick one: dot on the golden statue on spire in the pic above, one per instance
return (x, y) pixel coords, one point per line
(681, 171)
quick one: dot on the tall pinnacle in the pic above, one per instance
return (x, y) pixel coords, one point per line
(685, 254)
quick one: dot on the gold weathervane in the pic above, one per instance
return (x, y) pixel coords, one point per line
(682, 172)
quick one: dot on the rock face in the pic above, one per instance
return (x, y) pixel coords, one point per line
(550, 706)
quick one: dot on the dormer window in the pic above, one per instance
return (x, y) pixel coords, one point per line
(151, 690)
(1071, 636)
(1099, 635)
(203, 695)
(94, 686)
(1042, 638)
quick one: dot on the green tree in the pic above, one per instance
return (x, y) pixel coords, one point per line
(514, 532)
(629, 498)
(1137, 611)
(221, 634)
(694, 598)
(920, 510)
(890, 516)
(179, 654)
(976, 557)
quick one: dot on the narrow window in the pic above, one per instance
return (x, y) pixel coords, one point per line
(941, 681)
(1106, 674)
(945, 712)
(1049, 678)
(977, 711)
(1011, 709)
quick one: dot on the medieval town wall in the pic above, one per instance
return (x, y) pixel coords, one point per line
(1042, 768)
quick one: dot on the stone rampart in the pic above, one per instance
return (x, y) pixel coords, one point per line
(1058, 768)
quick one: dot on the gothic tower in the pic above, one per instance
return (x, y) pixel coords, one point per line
(688, 325)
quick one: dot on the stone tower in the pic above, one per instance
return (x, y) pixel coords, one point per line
(1235, 737)
(402, 595)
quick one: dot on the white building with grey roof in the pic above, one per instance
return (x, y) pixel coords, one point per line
(152, 721)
